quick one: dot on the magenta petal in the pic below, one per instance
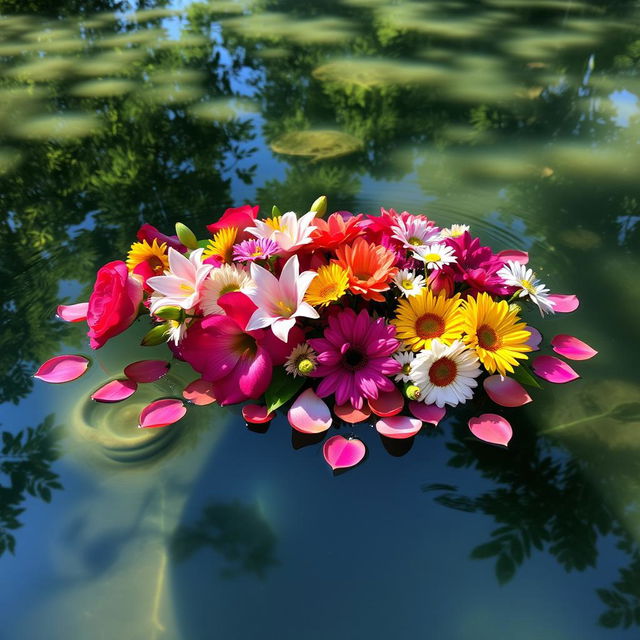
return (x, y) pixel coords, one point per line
(388, 403)
(199, 392)
(521, 257)
(62, 369)
(427, 412)
(553, 369)
(256, 414)
(564, 303)
(73, 312)
(505, 391)
(161, 413)
(491, 428)
(309, 414)
(398, 426)
(146, 370)
(341, 453)
(115, 391)
(572, 348)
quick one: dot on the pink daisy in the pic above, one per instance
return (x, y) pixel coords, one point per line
(354, 357)
(255, 249)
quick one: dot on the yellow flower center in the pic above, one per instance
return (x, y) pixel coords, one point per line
(285, 308)
(187, 287)
(432, 257)
(256, 252)
(487, 338)
(406, 368)
(407, 284)
(274, 223)
(415, 241)
(429, 325)
(443, 372)
(229, 288)
(305, 366)
(526, 284)
(329, 292)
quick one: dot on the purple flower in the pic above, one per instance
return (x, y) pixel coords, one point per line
(255, 249)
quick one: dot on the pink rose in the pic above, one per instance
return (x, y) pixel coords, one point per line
(113, 305)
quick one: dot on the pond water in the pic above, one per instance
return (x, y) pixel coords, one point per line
(518, 117)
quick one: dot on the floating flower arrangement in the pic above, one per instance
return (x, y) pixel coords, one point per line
(387, 319)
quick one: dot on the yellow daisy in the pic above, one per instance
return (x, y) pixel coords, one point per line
(496, 333)
(419, 319)
(329, 285)
(154, 255)
(221, 245)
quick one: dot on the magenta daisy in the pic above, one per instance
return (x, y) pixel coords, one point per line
(354, 357)
(255, 249)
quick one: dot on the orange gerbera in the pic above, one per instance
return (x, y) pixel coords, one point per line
(370, 268)
(334, 231)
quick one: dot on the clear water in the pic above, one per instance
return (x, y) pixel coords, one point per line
(520, 118)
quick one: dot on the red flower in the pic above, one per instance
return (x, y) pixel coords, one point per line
(238, 217)
(336, 230)
(149, 233)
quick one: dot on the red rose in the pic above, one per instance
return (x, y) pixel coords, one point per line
(239, 217)
(113, 305)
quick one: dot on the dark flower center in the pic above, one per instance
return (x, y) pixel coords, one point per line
(487, 338)
(443, 372)
(430, 325)
(354, 359)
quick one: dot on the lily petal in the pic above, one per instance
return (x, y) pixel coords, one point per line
(309, 414)
(506, 391)
(199, 392)
(564, 303)
(572, 348)
(388, 403)
(161, 413)
(146, 370)
(491, 428)
(73, 312)
(342, 453)
(398, 427)
(553, 370)
(115, 391)
(62, 369)
(430, 413)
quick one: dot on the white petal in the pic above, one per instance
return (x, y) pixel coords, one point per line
(181, 266)
(305, 310)
(281, 328)
(259, 320)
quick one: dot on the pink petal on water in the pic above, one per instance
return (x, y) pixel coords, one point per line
(572, 348)
(341, 452)
(115, 391)
(534, 339)
(553, 370)
(564, 303)
(256, 414)
(309, 414)
(199, 392)
(62, 369)
(73, 312)
(146, 370)
(398, 426)
(505, 391)
(427, 412)
(388, 403)
(521, 257)
(491, 428)
(350, 414)
(161, 413)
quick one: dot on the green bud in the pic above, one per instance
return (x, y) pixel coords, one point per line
(319, 206)
(186, 236)
(412, 392)
(157, 335)
(170, 313)
(306, 366)
(275, 211)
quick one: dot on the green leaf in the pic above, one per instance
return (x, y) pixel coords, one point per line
(523, 375)
(505, 568)
(627, 412)
(487, 550)
(282, 388)
(203, 244)
(611, 619)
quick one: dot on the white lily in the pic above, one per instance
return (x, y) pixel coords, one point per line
(289, 231)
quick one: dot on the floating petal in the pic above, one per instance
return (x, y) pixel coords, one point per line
(430, 413)
(564, 303)
(388, 403)
(553, 369)
(534, 339)
(341, 453)
(309, 414)
(350, 414)
(146, 370)
(256, 414)
(572, 348)
(398, 426)
(62, 369)
(161, 413)
(199, 392)
(491, 428)
(521, 257)
(505, 391)
(115, 391)
(73, 312)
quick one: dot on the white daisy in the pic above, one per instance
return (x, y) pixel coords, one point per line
(409, 283)
(415, 232)
(224, 279)
(515, 274)
(454, 231)
(289, 231)
(176, 331)
(404, 359)
(435, 256)
(301, 361)
(445, 374)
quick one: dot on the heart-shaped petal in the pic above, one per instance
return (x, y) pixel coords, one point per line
(398, 426)
(350, 414)
(199, 392)
(115, 391)
(505, 391)
(341, 452)
(309, 414)
(161, 413)
(564, 303)
(388, 403)
(430, 413)
(256, 414)
(534, 339)
(146, 370)
(73, 312)
(491, 428)
(553, 370)
(521, 257)
(62, 369)
(572, 348)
